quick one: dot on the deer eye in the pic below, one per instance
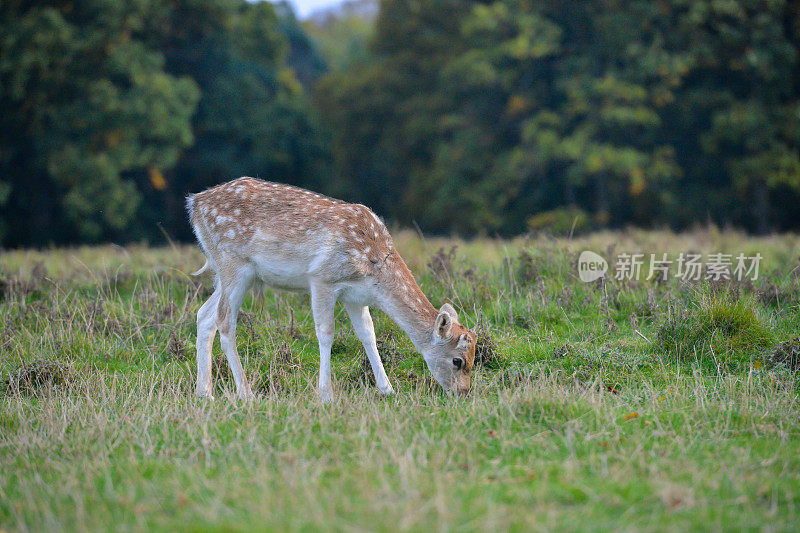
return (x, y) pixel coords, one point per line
(458, 362)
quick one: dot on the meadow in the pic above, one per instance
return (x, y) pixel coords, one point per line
(660, 404)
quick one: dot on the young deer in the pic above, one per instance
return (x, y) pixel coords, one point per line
(298, 240)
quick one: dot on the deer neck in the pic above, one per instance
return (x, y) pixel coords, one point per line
(404, 302)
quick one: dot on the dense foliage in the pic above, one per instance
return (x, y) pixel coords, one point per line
(640, 112)
(474, 117)
(113, 110)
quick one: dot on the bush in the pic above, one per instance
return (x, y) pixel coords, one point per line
(561, 222)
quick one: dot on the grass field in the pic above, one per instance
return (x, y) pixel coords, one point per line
(661, 404)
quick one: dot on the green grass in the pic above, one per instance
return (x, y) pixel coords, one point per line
(630, 405)
(720, 334)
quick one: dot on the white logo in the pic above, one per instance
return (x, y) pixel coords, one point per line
(591, 266)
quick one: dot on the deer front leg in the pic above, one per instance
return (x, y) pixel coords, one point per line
(323, 302)
(365, 330)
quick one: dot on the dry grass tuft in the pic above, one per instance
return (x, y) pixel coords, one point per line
(360, 372)
(441, 264)
(527, 271)
(786, 354)
(563, 351)
(40, 376)
(177, 348)
(280, 365)
(487, 351)
(773, 295)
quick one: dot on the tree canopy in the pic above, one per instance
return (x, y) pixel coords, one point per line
(113, 110)
(481, 114)
(459, 116)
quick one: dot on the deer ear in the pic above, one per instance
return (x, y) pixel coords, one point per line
(443, 325)
(450, 310)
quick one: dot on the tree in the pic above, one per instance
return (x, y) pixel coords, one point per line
(742, 89)
(471, 116)
(87, 105)
(342, 34)
(383, 113)
(253, 117)
(480, 172)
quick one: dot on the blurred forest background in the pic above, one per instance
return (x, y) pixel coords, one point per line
(493, 117)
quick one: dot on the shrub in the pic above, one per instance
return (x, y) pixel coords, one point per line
(561, 222)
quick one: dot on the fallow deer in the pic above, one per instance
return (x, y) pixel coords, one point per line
(294, 239)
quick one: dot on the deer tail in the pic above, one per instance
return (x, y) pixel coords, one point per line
(202, 269)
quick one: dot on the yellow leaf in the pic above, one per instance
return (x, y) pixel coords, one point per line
(156, 178)
(113, 138)
(638, 183)
(517, 105)
(631, 416)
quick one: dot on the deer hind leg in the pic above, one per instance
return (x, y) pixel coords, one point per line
(362, 324)
(234, 289)
(206, 331)
(323, 303)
